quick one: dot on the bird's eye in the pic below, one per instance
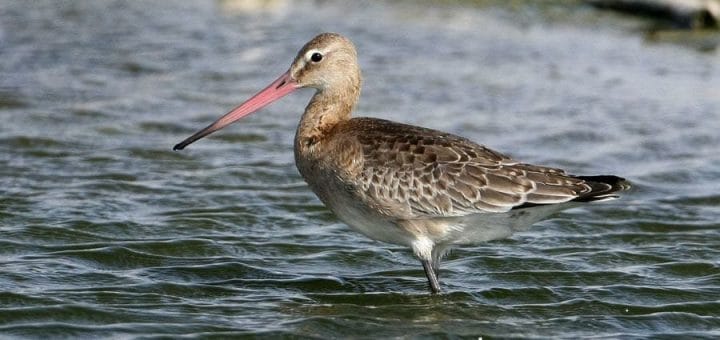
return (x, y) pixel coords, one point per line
(316, 57)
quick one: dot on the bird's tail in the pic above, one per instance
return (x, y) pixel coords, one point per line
(603, 187)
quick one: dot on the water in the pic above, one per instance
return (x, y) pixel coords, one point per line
(105, 231)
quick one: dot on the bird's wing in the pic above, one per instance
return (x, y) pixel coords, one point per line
(431, 173)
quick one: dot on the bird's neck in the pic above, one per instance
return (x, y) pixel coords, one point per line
(326, 109)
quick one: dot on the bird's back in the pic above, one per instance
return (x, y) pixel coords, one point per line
(428, 173)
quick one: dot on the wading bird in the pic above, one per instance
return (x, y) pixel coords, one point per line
(403, 184)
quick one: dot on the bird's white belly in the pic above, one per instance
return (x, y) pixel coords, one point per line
(369, 223)
(463, 230)
(478, 228)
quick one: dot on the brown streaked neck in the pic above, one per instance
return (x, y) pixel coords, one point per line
(327, 108)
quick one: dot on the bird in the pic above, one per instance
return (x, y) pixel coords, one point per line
(417, 187)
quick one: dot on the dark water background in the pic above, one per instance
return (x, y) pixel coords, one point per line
(105, 231)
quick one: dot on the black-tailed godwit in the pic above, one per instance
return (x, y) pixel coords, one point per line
(404, 184)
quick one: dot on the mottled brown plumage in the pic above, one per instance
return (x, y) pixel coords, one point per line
(433, 173)
(403, 184)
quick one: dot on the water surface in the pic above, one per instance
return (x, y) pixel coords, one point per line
(105, 231)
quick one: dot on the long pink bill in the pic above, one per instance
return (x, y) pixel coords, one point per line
(278, 89)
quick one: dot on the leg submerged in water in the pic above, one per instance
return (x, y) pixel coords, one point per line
(431, 270)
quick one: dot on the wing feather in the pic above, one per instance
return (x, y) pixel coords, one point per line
(435, 174)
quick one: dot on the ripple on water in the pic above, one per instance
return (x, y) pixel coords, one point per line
(25, 142)
(11, 102)
(107, 232)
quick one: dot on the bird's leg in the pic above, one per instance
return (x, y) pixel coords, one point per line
(431, 273)
(436, 256)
